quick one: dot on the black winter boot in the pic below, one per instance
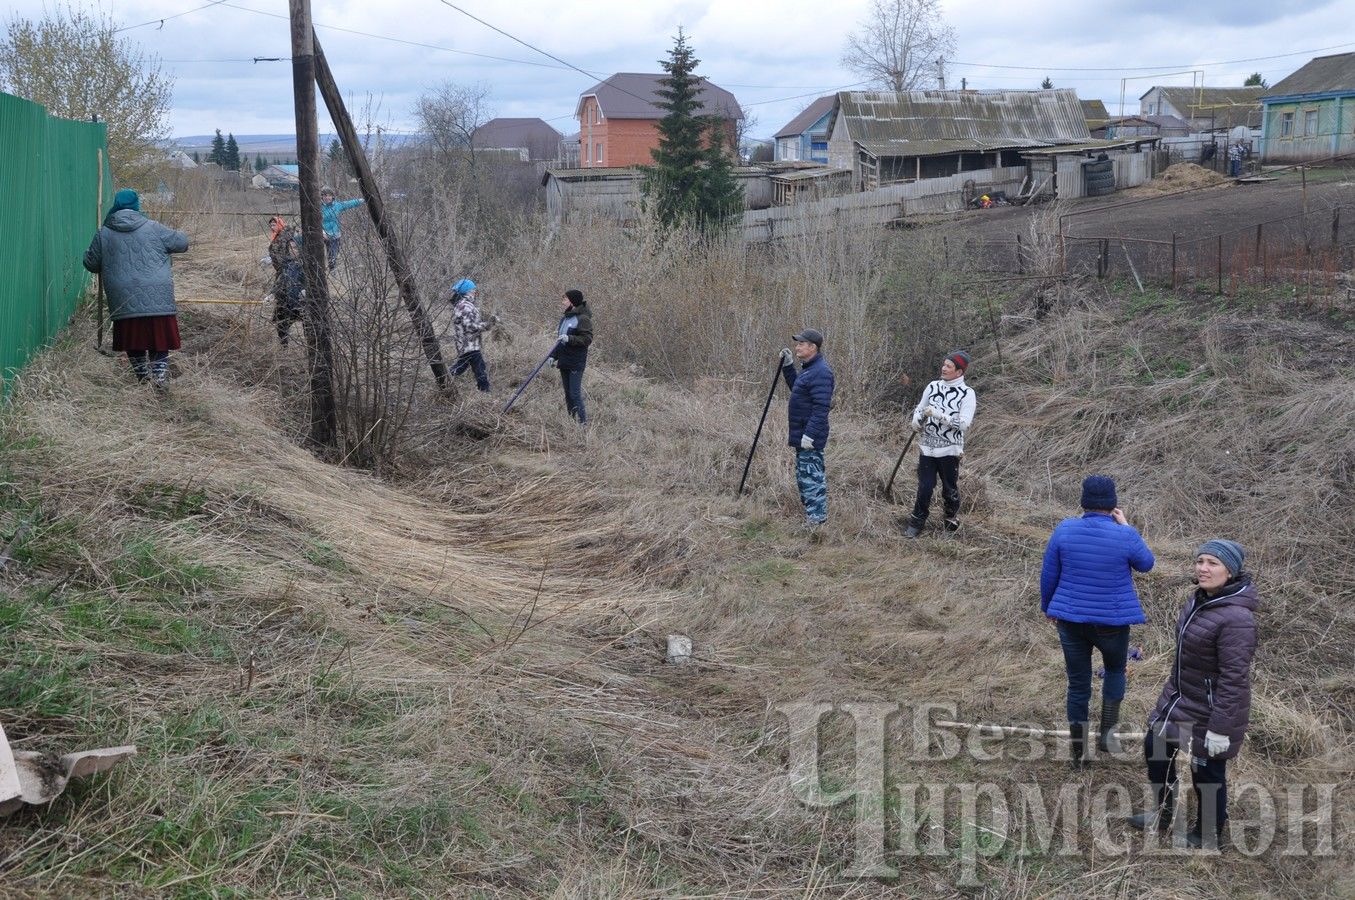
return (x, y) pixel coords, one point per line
(1153, 820)
(1077, 732)
(1107, 742)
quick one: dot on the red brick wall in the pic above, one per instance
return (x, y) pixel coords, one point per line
(625, 142)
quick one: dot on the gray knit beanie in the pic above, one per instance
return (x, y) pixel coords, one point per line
(1230, 553)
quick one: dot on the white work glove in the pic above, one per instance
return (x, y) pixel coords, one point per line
(941, 417)
(928, 412)
(564, 339)
(786, 356)
(1216, 743)
(806, 442)
(551, 362)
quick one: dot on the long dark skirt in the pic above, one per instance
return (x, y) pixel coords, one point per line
(146, 333)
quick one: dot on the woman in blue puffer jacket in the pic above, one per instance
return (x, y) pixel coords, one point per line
(1087, 590)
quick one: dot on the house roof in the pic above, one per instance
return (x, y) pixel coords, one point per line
(537, 137)
(634, 95)
(1223, 107)
(807, 117)
(1320, 75)
(1094, 111)
(933, 123)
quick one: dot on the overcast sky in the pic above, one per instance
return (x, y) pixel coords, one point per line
(774, 57)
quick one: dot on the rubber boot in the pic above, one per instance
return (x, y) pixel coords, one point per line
(1077, 732)
(1106, 741)
(1154, 820)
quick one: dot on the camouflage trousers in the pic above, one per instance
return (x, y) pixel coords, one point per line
(813, 485)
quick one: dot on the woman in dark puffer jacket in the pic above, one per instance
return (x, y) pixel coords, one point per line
(1206, 703)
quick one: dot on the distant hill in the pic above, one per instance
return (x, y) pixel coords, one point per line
(274, 144)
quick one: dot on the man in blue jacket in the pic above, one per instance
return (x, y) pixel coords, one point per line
(811, 397)
(1087, 591)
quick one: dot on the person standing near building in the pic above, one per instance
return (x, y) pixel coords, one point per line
(132, 253)
(467, 326)
(941, 418)
(329, 220)
(574, 336)
(1087, 591)
(811, 399)
(1235, 155)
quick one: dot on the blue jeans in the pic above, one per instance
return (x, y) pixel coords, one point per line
(813, 484)
(332, 251)
(475, 361)
(1078, 640)
(572, 381)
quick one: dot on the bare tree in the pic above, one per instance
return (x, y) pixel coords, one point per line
(898, 45)
(76, 66)
(450, 113)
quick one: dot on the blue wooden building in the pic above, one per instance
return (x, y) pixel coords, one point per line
(1310, 115)
(805, 137)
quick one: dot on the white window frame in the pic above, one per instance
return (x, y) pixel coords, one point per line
(1286, 124)
(1310, 115)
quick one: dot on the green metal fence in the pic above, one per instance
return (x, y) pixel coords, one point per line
(55, 185)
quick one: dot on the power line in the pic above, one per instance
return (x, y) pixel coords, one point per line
(394, 40)
(1226, 62)
(167, 18)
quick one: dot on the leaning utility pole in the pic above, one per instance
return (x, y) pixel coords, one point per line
(319, 349)
(404, 276)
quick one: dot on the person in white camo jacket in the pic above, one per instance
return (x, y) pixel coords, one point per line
(467, 326)
(941, 418)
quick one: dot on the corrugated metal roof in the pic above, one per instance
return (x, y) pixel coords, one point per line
(1318, 76)
(931, 123)
(633, 95)
(1091, 145)
(809, 116)
(809, 174)
(1094, 111)
(1184, 97)
(535, 135)
(626, 173)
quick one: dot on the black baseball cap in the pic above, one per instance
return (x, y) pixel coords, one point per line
(810, 335)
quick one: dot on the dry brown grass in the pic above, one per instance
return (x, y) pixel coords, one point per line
(455, 675)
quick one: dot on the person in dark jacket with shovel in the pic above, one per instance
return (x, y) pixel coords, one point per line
(131, 252)
(574, 337)
(811, 398)
(1205, 706)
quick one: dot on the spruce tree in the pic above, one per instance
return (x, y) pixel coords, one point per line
(197, 157)
(232, 156)
(218, 152)
(691, 180)
(1047, 84)
(259, 162)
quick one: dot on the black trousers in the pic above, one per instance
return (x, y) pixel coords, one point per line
(1208, 777)
(572, 382)
(928, 469)
(475, 361)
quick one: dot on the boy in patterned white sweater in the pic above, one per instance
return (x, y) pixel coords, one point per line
(941, 418)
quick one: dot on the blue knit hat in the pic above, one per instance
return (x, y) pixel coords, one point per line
(126, 199)
(1230, 553)
(1098, 492)
(463, 287)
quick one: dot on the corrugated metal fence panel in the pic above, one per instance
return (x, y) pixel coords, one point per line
(49, 177)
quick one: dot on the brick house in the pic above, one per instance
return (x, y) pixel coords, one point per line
(619, 119)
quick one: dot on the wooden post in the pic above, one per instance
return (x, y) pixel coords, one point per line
(1303, 175)
(324, 425)
(1173, 260)
(1020, 256)
(997, 339)
(1220, 264)
(1335, 225)
(404, 276)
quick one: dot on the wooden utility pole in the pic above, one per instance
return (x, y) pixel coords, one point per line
(404, 277)
(319, 349)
